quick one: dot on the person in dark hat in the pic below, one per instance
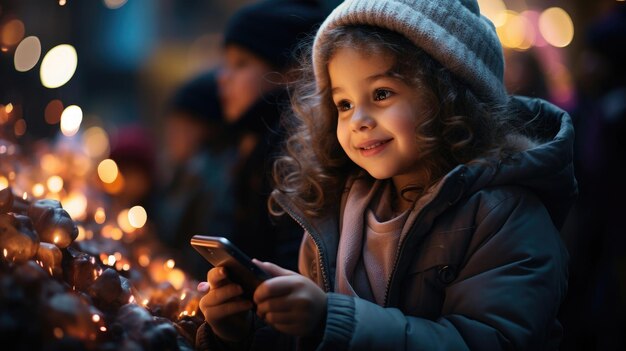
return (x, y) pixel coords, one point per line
(261, 44)
(197, 198)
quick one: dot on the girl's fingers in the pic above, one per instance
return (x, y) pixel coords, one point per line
(228, 309)
(217, 277)
(273, 269)
(218, 296)
(203, 287)
(275, 287)
(278, 318)
(273, 305)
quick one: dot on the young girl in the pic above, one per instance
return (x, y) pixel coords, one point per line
(430, 200)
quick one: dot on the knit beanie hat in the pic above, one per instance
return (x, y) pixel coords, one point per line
(453, 32)
(272, 29)
(199, 98)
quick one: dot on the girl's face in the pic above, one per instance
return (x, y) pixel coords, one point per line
(378, 115)
(241, 81)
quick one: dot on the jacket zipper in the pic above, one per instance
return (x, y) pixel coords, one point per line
(313, 235)
(411, 232)
(399, 254)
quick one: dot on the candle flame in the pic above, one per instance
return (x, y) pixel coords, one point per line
(5, 253)
(25, 196)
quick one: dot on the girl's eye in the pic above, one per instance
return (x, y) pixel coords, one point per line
(381, 94)
(344, 105)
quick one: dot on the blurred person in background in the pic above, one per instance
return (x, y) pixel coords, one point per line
(260, 48)
(594, 313)
(133, 150)
(197, 197)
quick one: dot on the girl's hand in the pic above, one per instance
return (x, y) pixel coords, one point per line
(224, 309)
(290, 302)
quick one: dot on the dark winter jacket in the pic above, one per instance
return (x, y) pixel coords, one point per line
(483, 266)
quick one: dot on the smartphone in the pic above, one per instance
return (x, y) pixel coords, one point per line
(220, 252)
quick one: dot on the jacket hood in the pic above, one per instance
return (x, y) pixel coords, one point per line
(546, 169)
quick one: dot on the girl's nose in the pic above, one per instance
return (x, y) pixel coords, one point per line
(362, 121)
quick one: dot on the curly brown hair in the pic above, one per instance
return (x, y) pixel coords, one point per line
(459, 128)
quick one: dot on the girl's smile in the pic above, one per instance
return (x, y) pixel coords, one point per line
(378, 115)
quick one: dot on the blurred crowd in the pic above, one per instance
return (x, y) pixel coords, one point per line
(221, 128)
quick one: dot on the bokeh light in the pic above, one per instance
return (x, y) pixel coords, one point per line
(100, 216)
(4, 182)
(137, 216)
(53, 112)
(55, 184)
(58, 66)
(123, 222)
(556, 27)
(19, 128)
(38, 190)
(12, 32)
(512, 32)
(71, 118)
(108, 171)
(75, 205)
(495, 10)
(27, 54)
(114, 4)
(96, 142)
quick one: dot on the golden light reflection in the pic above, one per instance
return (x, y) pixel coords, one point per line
(71, 118)
(137, 217)
(51, 164)
(58, 66)
(556, 27)
(19, 128)
(4, 182)
(516, 32)
(81, 233)
(75, 205)
(100, 216)
(123, 222)
(114, 4)
(27, 54)
(495, 10)
(96, 142)
(12, 32)
(53, 112)
(55, 184)
(176, 277)
(116, 234)
(144, 260)
(38, 190)
(108, 171)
